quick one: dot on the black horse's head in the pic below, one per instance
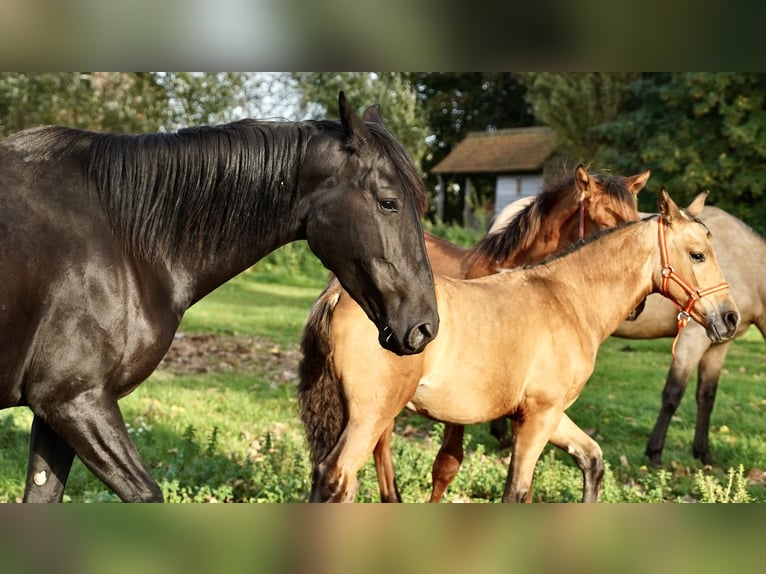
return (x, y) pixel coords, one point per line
(363, 223)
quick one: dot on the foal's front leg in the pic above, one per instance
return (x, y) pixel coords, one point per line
(532, 433)
(334, 479)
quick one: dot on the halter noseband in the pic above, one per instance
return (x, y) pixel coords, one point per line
(669, 274)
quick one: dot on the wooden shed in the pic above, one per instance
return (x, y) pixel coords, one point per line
(519, 157)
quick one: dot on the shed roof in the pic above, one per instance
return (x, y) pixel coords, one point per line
(501, 151)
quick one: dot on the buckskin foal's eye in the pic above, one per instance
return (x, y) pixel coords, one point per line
(388, 205)
(697, 257)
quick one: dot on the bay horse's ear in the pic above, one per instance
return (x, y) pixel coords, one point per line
(583, 182)
(373, 115)
(636, 183)
(667, 207)
(357, 133)
(695, 207)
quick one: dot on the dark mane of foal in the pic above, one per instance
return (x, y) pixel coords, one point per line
(205, 190)
(526, 224)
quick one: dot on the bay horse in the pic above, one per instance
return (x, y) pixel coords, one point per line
(571, 208)
(738, 248)
(567, 210)
(498, 352)
(107, 239)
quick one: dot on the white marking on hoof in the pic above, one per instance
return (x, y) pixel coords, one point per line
(40, 478)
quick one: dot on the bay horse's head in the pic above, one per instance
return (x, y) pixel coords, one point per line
(606, 201)
(689, 275)
(363, 222)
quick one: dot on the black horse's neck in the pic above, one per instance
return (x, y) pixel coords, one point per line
(201, 193)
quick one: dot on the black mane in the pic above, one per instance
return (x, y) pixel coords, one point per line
(205, 189)
(200, 189)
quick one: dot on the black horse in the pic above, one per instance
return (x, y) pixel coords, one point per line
(107, 239)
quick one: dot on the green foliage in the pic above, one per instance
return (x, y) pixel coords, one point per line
(573, 104)
(456, 103)
(697, 132)
(463, 236)
(713, 491)
(391, 90)
(128, 102)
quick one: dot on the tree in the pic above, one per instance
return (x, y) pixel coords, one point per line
(457, 103)
(697, 131)
(119, 101)
(575, 104)
(392, 90)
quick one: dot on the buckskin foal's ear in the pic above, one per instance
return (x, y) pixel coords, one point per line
(695, 207)
(357, 133)
(667, 207)
(583, 183)
(373, 115)
(636, 183)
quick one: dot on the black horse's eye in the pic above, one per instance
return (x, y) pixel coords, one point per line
(388, 205)
(697, 257)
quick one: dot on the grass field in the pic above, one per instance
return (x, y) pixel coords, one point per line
(218, 420)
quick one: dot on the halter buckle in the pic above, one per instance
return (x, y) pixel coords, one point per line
(683, 317)
(668, 270)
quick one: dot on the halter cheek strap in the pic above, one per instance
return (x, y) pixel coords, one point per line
(669, 274)
(582, 220)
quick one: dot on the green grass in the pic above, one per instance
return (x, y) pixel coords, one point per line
(233, 433)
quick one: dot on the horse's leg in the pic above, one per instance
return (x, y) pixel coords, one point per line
(532, 433)
(688, 354)
(586, 453)
(50, 460)
(498, 428)
(334, 479)
(384, 466)
(447, 461)
(91, 423)
(707, 386)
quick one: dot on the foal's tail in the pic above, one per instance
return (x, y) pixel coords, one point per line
(322, 408)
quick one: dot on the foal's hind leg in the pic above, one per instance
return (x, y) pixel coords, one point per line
(91, 423)
(384, 466)
(691, 346)
(707, 386)
(50, 460)
(586, 453)
(448, 461)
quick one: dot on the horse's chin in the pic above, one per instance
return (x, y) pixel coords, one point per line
(634, 314)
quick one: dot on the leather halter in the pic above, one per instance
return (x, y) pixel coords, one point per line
(669, 274)
(581, 234)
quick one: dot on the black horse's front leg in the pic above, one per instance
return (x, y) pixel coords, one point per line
(92, 425)
(50, 460)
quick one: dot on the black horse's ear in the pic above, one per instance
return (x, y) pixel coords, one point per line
(357, 133)
(373, 115)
